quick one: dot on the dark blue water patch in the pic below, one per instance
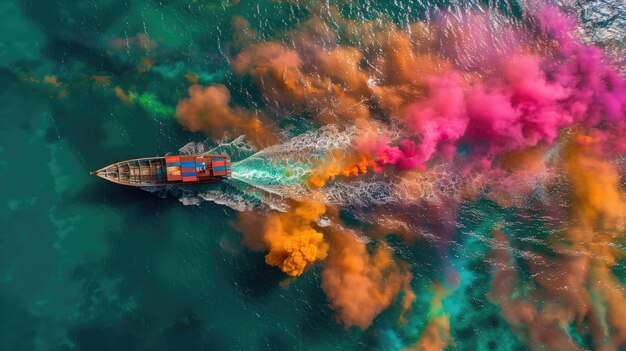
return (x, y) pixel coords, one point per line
(252, 277)
(136, 331)
(276, 341)
(80, 122)
(66, 16)
(20, 104)
(190, 332)
(69, 51)
(96, 336)
(170, 277)
(135, 262)
(124, 198)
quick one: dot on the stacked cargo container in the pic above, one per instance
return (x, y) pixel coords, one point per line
(192, 168)
(188, 168)
(219, 167)
(172, 164)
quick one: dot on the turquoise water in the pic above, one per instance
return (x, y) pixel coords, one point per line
(89, 265)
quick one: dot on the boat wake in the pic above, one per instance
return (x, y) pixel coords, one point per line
(270, 177)
(274, 176)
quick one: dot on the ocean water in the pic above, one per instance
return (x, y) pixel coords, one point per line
(90, 265)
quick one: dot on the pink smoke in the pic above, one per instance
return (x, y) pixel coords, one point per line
(404, 157)
(524, 102)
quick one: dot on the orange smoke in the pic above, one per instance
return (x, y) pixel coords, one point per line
(331, 90)
(52, 80)
(528, 160)
(350, 163)
(277, 68)
(330, 81)
(102, 80)
(595, 190)
(290, 237)
(125, 97)
(517, 175)
(207, 110)
(599, 221)
(585, 252)
(361, 284)
(542, 328)
(145, 65)
(338, 163)
(243, 34)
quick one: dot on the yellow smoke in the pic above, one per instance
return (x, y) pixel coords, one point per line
(290, 237)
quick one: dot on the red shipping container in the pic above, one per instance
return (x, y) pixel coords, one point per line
(219, 163)
(188, 159)
(190, 179)
(172, 159)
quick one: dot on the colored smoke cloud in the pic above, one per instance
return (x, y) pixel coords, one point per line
(599, 220)
(518, 102)
(207, 110)
(291, 239)
(361, 284)
(480, 123)
(577, 284)
(541, 329)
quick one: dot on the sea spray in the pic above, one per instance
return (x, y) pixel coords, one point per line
(282, 169)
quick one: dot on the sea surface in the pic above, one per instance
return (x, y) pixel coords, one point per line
(90, 265)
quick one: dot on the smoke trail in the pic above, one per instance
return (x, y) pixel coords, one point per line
(360, 284)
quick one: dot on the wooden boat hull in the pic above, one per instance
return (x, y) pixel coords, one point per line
(169, 170)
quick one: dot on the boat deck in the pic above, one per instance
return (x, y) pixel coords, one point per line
(143, 172)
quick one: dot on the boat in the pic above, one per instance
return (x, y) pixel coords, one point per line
(167, 170)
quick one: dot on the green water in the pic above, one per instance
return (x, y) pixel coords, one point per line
(90, 265)
(93, 266)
